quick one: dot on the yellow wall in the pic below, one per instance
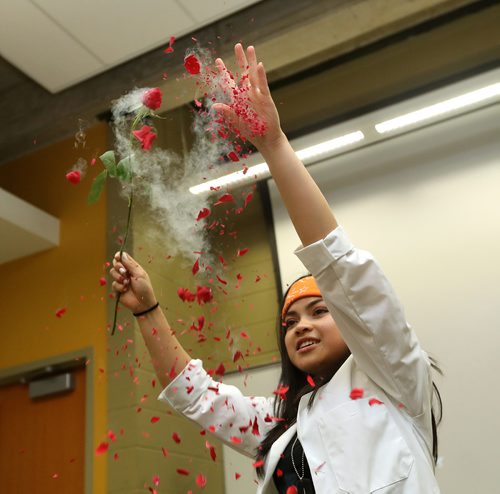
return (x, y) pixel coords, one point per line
(33, 288)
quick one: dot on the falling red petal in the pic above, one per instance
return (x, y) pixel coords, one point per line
(233, 156)
(292, 490)
(196, 267)
(102, 448)
(154, 419)
(102, 281)
(203, 214)
(201, 481)
(220, 371)
(374, 401)
(258, 463)
(176, 437)
(182, 471)
(235, 440)
(241, 252)
(224, 198)
(237, 475)
(356, 393)
(248, 198)
(311, 382)
(61, 312)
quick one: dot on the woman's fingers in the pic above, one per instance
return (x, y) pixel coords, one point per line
(252, 66)
(241, 58)
(262, 80)
(119, 287)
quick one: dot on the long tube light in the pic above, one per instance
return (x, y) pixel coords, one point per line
(261, 170)
(441, 108)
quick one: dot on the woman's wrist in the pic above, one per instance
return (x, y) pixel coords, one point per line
(143, 311)
(269, 145)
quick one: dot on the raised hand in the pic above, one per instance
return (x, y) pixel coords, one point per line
(250, 111)
(133, 283)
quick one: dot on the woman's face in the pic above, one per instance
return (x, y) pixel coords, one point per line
(312, 339)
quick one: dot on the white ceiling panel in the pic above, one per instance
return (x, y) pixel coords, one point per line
(206, 11)
(118, 30)
(24, 229)
(42, 49)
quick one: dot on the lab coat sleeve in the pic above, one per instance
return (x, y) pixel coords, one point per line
(370, 318)
(240, 421)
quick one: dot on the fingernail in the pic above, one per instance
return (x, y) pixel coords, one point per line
(124, 255)
(123, 271)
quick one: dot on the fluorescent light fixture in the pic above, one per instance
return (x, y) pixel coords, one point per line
(441, 108)
(261, 170)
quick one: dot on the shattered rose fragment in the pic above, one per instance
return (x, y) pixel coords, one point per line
(248, 198)
(145, 136)
(203, 214)
(311, 382)
(102, 448)
(224, 198)
(176, 438)
(60, 312)
(154, 419)
(292, 490)
(201, 480)
(235, 440)
(196, 266)
(182, 471)
(170, 48)
(374, 401)
(233, 156)
(281, 392)
(102, 281)
(203, 294)
(258, 463)
(185, 295)
(356, 393)
(192, 65)
(74, 177)
(237, 475)
(241, 252)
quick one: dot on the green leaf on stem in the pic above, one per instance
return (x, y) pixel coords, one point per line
(97, 186)
(124, 169)
(109, 161)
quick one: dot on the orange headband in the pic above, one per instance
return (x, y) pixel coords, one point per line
(304, 287)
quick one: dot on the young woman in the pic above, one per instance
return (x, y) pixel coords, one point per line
(352, 413)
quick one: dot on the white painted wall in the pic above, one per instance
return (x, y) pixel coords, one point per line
(427, 204)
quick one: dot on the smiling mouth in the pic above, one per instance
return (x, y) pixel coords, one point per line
(306, 344)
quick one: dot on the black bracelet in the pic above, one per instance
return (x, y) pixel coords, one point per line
(138, 314)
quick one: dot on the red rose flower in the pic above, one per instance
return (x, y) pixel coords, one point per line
(152, 98)
(145, 136)
(74, 177)
(192, 65)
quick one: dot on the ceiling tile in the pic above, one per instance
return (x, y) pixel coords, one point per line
(41, 49)
(206, 11)
(118, 30)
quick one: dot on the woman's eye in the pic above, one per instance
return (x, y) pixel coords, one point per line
(320, 310)
(289, 323)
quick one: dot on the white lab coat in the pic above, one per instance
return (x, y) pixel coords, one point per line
(351, 446)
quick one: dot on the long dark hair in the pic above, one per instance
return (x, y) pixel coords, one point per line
(294, 381)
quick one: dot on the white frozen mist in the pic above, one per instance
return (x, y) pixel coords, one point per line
(162, 178)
